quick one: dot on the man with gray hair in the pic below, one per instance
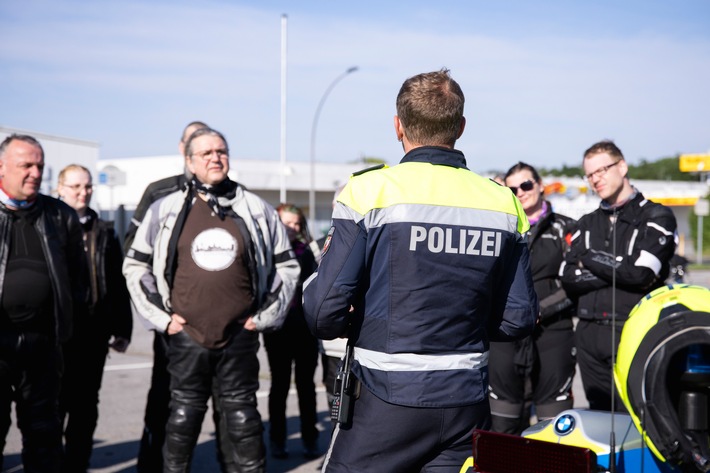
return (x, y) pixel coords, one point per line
(211, 265)
(42, 283)
(150, 450)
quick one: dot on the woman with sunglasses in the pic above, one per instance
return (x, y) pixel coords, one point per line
(293, 345)
(539, 369)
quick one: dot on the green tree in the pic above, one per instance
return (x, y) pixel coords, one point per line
(663, 169)
(565, 171)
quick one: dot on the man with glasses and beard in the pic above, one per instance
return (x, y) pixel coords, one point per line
(211, 265)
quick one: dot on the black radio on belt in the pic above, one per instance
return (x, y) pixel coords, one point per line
(342, 407)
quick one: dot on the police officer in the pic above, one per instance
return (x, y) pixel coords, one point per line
(620, 252)
(426, 263)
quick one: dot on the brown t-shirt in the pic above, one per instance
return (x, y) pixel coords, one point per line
(212, 287)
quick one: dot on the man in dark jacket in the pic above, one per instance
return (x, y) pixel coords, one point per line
(426, 263)
(619, 253)
(107, 323)
(42, 283)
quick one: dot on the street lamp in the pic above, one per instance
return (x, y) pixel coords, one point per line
(312, 190)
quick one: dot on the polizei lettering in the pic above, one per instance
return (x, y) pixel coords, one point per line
(462, 241)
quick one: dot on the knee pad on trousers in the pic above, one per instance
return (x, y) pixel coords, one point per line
(245, 431)
(509, 425)
(508, 417)
(181, 434)
(551, 409)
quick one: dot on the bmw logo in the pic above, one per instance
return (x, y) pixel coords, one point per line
(564, 425)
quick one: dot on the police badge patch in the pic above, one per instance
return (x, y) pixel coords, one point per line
(326, 244)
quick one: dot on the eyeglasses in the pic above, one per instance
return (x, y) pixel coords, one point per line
(525, 186)
(78, 187)
(601, 171)
(205, 155)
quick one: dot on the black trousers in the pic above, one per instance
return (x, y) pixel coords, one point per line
(31, 378)
(594, 350)
(84, 360)
(194, 372)
(538, 369)
(292, 346)
(387, 437)
(157, 411)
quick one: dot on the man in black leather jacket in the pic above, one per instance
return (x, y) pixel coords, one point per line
(42, 284)
(620, 252)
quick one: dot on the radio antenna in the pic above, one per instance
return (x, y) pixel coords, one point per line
(612, 434)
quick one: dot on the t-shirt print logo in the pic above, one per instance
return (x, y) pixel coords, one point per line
(214, 249)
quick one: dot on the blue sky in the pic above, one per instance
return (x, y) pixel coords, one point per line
(543, 80)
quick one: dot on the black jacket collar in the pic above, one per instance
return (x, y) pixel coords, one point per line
(633, 201)
(436, 155)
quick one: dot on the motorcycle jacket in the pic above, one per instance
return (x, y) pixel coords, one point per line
(149, 265)
(109, 303)
(633, 254)
(548, 241)
(153, 192)
(433, 261)
(59, 231)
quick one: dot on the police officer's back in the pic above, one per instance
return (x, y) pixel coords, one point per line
(426, 263)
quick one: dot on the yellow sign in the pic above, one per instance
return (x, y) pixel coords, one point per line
(695, 162)
(675, 201)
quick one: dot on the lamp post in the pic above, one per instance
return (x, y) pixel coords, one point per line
(312, 190)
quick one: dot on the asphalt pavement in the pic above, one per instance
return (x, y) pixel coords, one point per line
(122, 402)
(123, 394)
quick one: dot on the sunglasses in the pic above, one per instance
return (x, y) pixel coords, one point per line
(525, 186)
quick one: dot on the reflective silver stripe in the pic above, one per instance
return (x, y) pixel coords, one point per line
(562, 269)
(344, 212)
(633, 241)
(442, 215)
(433, 214)
(649, 260)
(659, 228)
(415, 362)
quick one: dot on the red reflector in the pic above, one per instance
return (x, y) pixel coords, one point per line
(502, 453)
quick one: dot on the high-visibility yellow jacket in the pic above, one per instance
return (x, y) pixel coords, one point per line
(433, 259)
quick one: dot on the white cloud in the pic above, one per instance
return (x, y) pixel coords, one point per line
(130, 74)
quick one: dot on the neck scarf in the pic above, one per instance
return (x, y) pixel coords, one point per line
(545, 208)
(8, 201)
(218, 196)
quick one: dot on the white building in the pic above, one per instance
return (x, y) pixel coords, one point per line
(122, 182)
(119, 183)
